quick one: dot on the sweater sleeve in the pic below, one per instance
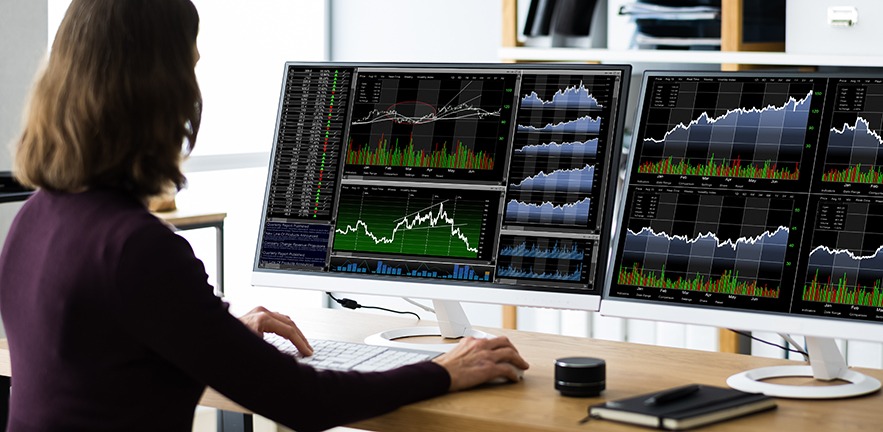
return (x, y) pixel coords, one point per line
(165, 301)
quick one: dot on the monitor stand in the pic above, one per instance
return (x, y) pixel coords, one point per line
(452, 325)
(826, 364)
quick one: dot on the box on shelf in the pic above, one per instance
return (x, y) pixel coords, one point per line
(849, 27)
(566, 23)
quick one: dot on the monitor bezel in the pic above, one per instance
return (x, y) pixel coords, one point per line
(465, 291)
(780, 322)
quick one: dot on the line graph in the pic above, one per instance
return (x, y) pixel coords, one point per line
(574, 149)
(446, 113)
(716, 243)
(572, 213)
(576, 180)
(425, 218)
(581, 125)
(845, 264)
(855, 154)
(767, 248)
(410, 124)
(409, 221)
(571, 97)
(725, 129)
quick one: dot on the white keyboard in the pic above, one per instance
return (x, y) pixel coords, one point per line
(345, 356)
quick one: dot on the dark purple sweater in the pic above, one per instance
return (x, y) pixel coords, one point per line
(112, 326)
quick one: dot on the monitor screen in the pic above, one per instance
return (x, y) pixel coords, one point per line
(474, 182)
(756, 193)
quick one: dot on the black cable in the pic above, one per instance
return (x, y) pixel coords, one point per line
(748, 335)
(352, 304)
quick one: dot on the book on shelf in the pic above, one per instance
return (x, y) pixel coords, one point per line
(692, 406)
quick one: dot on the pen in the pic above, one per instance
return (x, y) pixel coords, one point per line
(672, 394)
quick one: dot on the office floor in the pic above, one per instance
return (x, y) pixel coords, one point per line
(205, 420)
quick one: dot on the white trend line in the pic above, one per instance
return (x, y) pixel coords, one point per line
(434, 220)
(563, 124)
(870, 131)
(550, 204)
(728, 242)
(542, 175)
(557, 146)
(574, 89)
(848, 252)
(457, 112)
(710, 120)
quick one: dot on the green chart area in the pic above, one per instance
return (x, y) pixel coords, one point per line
(414, 221)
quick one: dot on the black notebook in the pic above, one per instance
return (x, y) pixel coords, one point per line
(707, 404)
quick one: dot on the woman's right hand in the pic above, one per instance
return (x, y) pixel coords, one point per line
(477, 361)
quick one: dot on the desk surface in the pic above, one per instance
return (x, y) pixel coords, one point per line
(186, 217)
(534, 404)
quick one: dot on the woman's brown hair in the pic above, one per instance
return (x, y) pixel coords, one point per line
(116, 101)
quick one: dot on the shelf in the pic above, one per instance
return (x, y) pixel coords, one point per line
(695, 57)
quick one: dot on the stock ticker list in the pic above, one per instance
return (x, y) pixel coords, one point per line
(312, 119)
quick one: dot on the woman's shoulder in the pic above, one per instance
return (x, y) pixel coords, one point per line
(101, 213)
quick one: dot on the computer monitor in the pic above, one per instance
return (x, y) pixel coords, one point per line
(753, 201)
(488, 183)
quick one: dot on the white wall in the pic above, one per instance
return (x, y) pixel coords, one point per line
(22, 47)
(415, 30)
(243, 47)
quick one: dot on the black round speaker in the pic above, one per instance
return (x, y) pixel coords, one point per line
(580, 376)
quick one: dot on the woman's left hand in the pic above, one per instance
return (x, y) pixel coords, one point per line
(261, 320)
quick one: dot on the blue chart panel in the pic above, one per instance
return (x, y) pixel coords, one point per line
(573, 97)
(542, 247)
(846, 260)
(855, 154)
(542, 259)
(532, 273)
(581, 125)
(576, 213)
(857, 138)
(575, 150)
(853, 269)
(290, 245)
(734, 129)
(577, 180)
(768, 247)
(745, 265)
(775, 125)
(411, 269)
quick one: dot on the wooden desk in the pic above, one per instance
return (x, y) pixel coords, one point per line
(534, 404)
(185, 219)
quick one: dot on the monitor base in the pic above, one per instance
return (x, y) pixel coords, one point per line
(752, 382)
(392, 338)
(826, 364)
(452, 325)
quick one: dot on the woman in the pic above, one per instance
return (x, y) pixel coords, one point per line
(110, 320)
